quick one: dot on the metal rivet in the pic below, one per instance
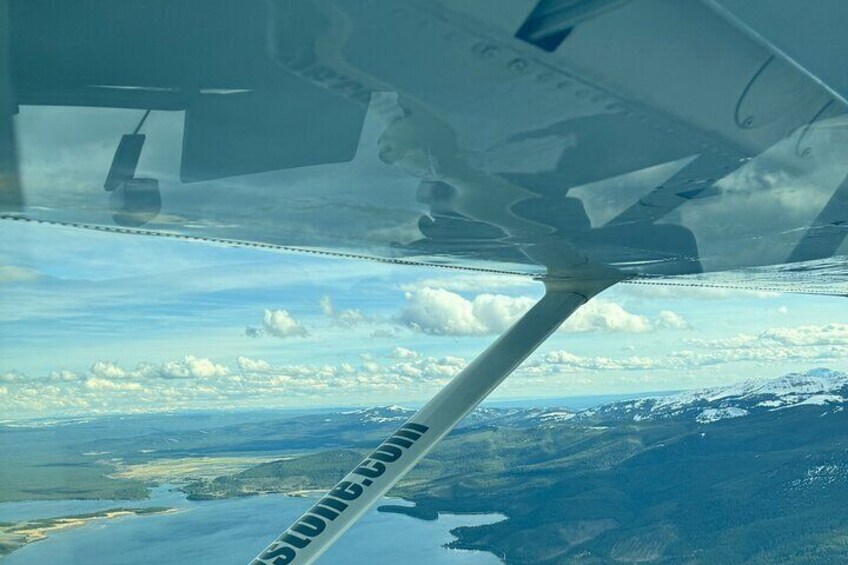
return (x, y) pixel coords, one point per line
(518, 64)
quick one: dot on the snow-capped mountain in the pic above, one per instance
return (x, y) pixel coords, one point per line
(381, 414)
(817, 387)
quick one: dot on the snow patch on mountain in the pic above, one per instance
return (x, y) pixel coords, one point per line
(822, 475)
(820, 400)
(715, 414)
(556, 416)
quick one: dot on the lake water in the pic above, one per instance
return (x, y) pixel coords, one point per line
(230, 532)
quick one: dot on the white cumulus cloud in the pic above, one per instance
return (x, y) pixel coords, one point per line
(605, 316)
(193, 367)
(107, 370)
(279, 323)
(249, 365)
(671, 321)
(63, 375)
(95, 383)
(442, 312)
(497, 312)
(404, 353)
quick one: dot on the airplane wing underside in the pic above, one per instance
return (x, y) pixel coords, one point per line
(660, 138)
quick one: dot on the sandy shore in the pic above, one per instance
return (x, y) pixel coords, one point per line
(16, 535)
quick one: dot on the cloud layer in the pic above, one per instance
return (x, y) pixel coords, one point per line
(400, 373)
(194, 382)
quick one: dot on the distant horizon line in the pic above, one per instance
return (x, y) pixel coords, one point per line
(411, 405)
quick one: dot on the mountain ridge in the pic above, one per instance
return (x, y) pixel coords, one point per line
(815, 387)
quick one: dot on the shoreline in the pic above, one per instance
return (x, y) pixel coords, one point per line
(15, 535)
(460, 541)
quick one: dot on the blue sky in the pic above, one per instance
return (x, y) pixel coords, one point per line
(98, 323)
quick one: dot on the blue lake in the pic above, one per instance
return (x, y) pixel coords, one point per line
(230, 532)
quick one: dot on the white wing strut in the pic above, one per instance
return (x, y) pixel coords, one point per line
(315, 531)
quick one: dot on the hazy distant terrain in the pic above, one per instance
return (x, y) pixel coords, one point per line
(753, 473)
